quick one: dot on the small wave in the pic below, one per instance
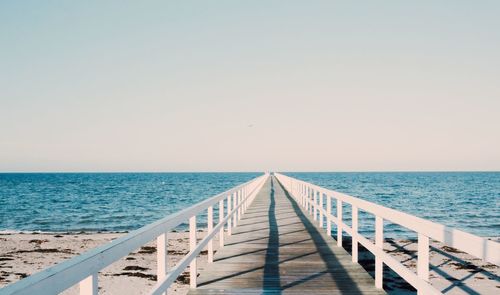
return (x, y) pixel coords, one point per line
(9, 232)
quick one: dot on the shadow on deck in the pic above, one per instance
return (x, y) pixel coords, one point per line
(277, 249)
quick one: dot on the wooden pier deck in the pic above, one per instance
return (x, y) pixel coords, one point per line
(276, 248)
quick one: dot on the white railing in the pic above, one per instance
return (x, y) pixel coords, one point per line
(83, 269)
(311, 198)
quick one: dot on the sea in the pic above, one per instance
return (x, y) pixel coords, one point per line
(120, 202)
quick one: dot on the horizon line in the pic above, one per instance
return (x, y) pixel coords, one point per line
(232, 171)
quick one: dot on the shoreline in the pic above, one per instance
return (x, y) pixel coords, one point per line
(22, 254)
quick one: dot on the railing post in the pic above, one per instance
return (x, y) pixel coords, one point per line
(235, 205)
(161, 256)
(229, 220)
(423, 259)
(240, 210)
(192, 246)
(88, 286)
(221, 218)
(328, 214)
(302, 194)
(315, 200)
(210, 228)
(306, 199)
(354, 237)
(379, 242)
(339, 225)
(321, 207)
(244, 200)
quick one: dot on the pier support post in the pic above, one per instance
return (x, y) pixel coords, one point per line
(229, 220)
(306, 199)
(315, 200)
(339, 225)
(310, 202)
(302, 196)
(210, 228)
(235, 205)
(354, 234)
(192, 246)
(423, 259)
(240, 200)
(379, 242)
(328, 214)
(88, 286)
(161, 256)
(321, 208)
(221, 218)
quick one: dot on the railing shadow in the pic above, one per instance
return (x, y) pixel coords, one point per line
(338, 275)
(263, 238)
(258, 250)
(393, 281)
(271, 266)
(345, 283)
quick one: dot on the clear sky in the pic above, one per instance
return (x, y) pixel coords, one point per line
(249, 85)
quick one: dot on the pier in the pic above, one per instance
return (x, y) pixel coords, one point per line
(277, 248)
(275, 236)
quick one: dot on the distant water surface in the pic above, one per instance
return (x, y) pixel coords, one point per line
(469, 201)
(103, 201)
(127, 201)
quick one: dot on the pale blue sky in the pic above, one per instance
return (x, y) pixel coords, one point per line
(249, 85)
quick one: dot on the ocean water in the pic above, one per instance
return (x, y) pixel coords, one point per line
(469, 201)
(60, 202)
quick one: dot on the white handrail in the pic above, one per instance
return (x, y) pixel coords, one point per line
(83, 268)
(306, 195)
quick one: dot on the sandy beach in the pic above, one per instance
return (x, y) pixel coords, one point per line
(22, 254)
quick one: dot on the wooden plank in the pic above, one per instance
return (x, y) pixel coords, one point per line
(276, 248)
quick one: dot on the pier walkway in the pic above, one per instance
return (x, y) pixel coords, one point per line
(276, 248)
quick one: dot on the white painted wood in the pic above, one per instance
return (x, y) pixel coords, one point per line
(229, 222)
(328, 214)
(89, 285)
(379, 242)
(235, 205)
(315, 208)
(354, 234)
(161, 256)
(221, 217)
(184, 262)
(307, 200)
(64, 275)
(240, 209)
(210, 227)
(311, 202)
(192, 245)
(321, 205)
(387, 259)
(399, 268)
(423, 259)
(303, 195)
(339, 224)
(480, 247)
